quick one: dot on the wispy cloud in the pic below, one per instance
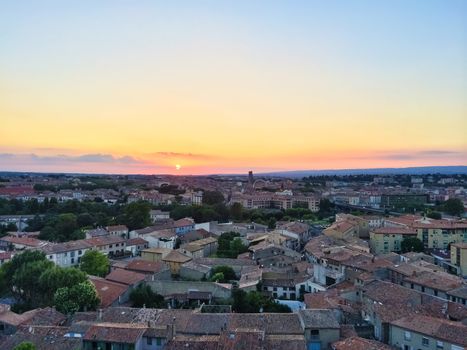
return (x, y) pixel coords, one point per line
(180, 155)
(61, 158)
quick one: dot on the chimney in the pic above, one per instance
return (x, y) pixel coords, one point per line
(99, 315)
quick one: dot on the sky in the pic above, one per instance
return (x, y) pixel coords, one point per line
(203, 87)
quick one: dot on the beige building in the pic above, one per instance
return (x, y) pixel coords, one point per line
(174, 260)
(435, 234)
(155, 254)
(388, 239)
(459, 258)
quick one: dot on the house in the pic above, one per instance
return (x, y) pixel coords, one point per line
(175, 260)
(109, 245)
(118, 230)
(159, 215)
(66, 254)
(183, 226)
(289, 286)
(97, 232)
(192, 250)
(321, 328)
(154, 254)
(20, 243)
(423, 332)
(130, 278)
(358, 343)
(110, 293)
(153, 269)
(125, 336)
(136, 245)
(459, 258)
(388, 239)
(297, 230)
(200, 248)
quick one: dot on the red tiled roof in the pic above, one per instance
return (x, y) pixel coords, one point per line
(125, 277)
(127, 333)
(108, 291)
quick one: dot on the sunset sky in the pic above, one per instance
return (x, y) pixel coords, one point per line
(113, 86)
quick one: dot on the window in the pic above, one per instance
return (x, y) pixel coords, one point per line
(149, 340)
(439, 345)
(80, 252)
(425, 341)
(72, 260)
(158, 341)
(314, 333)
(407, 335)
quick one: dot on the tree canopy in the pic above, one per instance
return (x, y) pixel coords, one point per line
(80, 297)
(411, 244)
(454, 206)
(143, 295)
(95, 263)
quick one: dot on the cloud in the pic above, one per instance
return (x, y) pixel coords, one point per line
(180, 155)
(61, 158)
(421, 154)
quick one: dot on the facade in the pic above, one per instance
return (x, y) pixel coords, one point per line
(459, 258)
(275, 200)
(67, 254)
(424, 332)
(388, 239)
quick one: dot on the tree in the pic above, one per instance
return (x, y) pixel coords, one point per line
(143, 295)
(95, 263)
(227, 272)
(81, 297)
(230, 245)
(57, 277)
(84, 220)
(137, 215)
(454, 206)
(218, 277)
(213, 197)
(272, 223)
(434, 215)
(25, 345)
(236, 211)
(25, 281)
(411, 244)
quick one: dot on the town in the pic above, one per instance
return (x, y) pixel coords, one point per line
(247, 261)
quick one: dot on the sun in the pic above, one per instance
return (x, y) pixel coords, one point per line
(178, 166)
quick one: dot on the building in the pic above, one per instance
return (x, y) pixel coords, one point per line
(175, 260)
(159, 215)
(118, 230)
(276, 200)
(66, 254)
(155, 254)
(388, 239)
(459, 258)
(321, 328)
(423, 332)
(403, 200)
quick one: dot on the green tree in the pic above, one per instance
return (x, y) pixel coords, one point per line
(236, 211)
(81, 297)
(25, 345)
(272, 223)
(411, 244)
(143, 295)
(213, 197)
(85, 220)
(454, 206)
(57, 277)
(95, 263)
(25, 281)
(227, 272)
(137, 215)
(434, 215)
(218, 277)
